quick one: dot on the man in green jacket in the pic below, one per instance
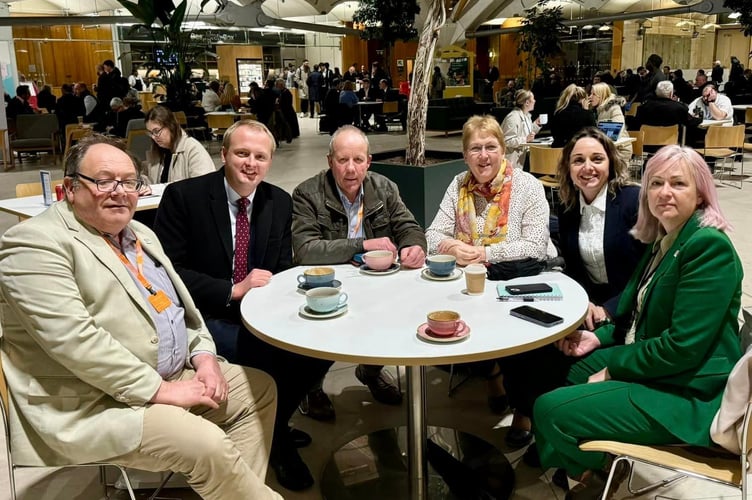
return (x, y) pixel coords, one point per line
(347, 210)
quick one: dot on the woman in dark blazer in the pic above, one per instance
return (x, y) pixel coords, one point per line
(598, 208)
(571, 115)
(656, 375)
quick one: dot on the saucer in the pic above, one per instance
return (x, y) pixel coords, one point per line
(390, 270)
(304, 287)
(311, 314)
(427, 274)
(425, 334)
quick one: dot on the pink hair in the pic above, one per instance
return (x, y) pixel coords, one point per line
(648, 227)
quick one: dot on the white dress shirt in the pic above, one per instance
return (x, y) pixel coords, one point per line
(592, 227)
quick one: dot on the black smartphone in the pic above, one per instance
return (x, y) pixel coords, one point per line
(535, 315)
(526, 289)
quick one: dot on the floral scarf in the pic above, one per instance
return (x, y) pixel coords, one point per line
(498, 193)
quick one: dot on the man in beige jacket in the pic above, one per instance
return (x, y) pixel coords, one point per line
(106, 356)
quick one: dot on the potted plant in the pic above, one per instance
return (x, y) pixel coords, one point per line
(540, 37)
(164, 23)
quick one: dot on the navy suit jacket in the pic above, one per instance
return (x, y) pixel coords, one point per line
(622, 252)
(193, 224)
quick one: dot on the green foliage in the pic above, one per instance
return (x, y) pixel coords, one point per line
(387, 20)
(540, 35)
(164, 23)
(743, 7)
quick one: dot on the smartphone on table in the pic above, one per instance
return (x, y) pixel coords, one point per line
(526, 289)
(535, 315)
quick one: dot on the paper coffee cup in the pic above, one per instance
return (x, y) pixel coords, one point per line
(475, 279)
(543, 118)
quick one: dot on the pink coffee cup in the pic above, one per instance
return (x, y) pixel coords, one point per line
(444, 323)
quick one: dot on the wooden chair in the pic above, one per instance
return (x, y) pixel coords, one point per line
(73, 134)
(632, 109)
(138, 142)
(35, 133)
(4, 401)
(726, 143)
(655, 137)
(33, 188)
(544, 163)
(638, 153)
(4, 147)
(181, 118)
(219, 123)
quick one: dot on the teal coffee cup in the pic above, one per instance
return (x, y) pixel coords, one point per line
(316, 277)
(325, 299)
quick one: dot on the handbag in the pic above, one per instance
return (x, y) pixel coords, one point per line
(523, 267)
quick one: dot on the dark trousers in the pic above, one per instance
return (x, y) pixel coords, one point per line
(304, 106)
(293, 373)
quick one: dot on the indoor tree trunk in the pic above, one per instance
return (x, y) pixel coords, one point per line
(422, 71)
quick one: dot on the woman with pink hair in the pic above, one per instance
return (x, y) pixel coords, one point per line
(654, 376)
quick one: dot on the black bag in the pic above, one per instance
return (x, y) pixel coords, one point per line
(522, 267)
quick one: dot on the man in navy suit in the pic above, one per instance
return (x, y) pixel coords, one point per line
(197, 222)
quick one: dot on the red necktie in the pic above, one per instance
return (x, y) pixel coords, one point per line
(242, 237)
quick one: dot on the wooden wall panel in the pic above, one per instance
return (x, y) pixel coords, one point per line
(405, 51)
(226, 55)
(61, 54)
(354, 49)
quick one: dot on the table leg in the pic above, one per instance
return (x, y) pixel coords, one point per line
(417, 469)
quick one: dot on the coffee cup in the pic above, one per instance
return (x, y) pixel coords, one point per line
(444, 323)
(475, 279)
(316, 277)
(441, 265)
(543, 118)
(379, 260)
(325, 299)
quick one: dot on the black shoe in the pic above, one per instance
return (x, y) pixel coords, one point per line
(517, 438)
(292, 473)
(298, 438)
(382, 387)
(317, 405)
(532, 459)
(593, 488)
(560, 479)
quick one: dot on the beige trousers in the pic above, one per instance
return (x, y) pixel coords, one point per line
(223, 453)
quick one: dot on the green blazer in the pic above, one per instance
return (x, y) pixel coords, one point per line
(686, 334)
(79, 347)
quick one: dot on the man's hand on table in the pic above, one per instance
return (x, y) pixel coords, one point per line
(382, 243)
(255, 279)
(412, 257)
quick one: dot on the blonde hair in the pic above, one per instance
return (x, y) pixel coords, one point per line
(486, 124)
(251, 124)
(521, 97)
(603, 92)
(572, 92)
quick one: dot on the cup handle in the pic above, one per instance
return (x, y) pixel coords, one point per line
(342, 299)
(459, 326)
(301, 279)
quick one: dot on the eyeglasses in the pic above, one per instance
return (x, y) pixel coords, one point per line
(156, 131)
(111, 185)
(490, 149)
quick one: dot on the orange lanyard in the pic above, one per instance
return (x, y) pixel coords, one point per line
(157, 298)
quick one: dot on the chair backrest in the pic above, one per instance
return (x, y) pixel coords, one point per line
(220, 121)
(659, 136)
(181, 118)
(544, 161)
(139, 143)
(632, 111)
(73, 135)
(639, 137)
(135, 124)
(33, 188)
(725, 137)
(36, 126)
(748, 116)
(390, 107)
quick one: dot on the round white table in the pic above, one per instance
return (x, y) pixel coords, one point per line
(380, 327)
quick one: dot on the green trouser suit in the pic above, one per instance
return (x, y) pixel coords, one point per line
(667, 386)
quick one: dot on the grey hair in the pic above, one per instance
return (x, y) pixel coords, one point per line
(348, 128)
(116, 102)
(664, 88)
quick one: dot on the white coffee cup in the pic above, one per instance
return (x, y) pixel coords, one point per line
(543, 118)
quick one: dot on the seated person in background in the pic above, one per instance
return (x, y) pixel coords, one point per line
(608, 106)
(347, 210)
(655, 376)
(90, 102)
(348, 96)
(228, 232)
(19, 105)
(664, 110)
(519, 128)
(711, 105)
(46, 99)
(174, 155)
(210, 101)
(571, 115)
(123, 111)
(368, 94)
(491, 213)
(103, 369)
(69, 107)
